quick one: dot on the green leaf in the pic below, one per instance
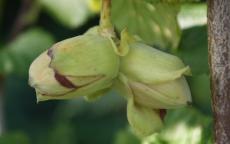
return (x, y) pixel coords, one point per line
(6, 65)
(194, 14)
(172, 1)
(126, 137)
(108, 104)
(155, 23)
(14, 138)
(193, 49)
(182, 126)
(71, 13)
(18, 55)
(201, 93)
(62, 134)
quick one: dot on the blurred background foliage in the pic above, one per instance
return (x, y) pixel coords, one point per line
(28, 27)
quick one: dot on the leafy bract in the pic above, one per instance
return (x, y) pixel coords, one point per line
(156, 23)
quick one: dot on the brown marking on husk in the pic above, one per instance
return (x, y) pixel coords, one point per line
(64, 81)
(71, 85)
(50, 53)
(60, 78)
(162, 113)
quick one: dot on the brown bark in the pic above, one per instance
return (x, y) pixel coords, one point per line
(219, 62)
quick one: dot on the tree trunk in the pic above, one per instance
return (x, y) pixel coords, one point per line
(219, 62)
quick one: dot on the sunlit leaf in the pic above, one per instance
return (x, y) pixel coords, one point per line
(172, 1)
(19, 54)
(71, 13)
(183, 126)
(193, 14)
(94, 5)
(154, 23)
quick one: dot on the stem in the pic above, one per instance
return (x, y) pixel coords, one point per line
(105, 20)
(219, 62)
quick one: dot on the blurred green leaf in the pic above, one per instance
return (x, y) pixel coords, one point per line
(14, 138)
(172, 1)
(109, 103)
(21, 113)
(6, 65)
(189, 115)
(19, 54)
(155, 23)
(201, 93)
(71, 13)
(183, 126)
(126, 137)
(62, 134)
(192, 14)
(193, 49)
(33, 13)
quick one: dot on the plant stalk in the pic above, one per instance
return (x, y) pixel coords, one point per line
(105, 19)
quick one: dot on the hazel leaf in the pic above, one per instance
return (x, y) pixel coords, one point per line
(156, 24)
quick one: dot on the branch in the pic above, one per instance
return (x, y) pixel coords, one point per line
(219, 62)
